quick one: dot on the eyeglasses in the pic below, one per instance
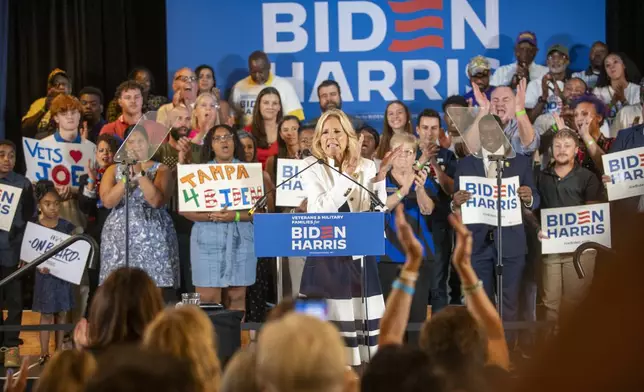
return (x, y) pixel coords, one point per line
(407, 153)
(223, 138)
(186, 78)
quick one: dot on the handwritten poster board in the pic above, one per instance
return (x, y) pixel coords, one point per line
(67, 265)
(482, 206)
(62, 163)
(213, 187)
(9, 199)
(292, 193)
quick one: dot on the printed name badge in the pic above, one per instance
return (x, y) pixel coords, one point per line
(62, 163)
(9, 200)
(569, 227)
(68, 264)
(292, 193)
(214, 187)
(482, 206)
(626, 172)
(319, 234)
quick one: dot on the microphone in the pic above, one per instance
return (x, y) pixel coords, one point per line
(306, 153)
(261, 203)
(375, 200)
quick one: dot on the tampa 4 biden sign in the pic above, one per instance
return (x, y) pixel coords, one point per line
(378, 51)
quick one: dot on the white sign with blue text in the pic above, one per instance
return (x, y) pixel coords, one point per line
(482, 206)
(626, 172)
(68, 264)
(292, 193)
(9, 199)
(568, 227)
(62, 163)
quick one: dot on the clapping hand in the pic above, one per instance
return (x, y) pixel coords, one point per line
(525, 193)
(411, 246)
(419, 180)
(184, 147)
(482, 100)
(519, 102)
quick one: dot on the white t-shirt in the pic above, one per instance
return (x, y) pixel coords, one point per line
(591, 80)
(632, 93)
(533, 92)
(245, 94)
(503, 75)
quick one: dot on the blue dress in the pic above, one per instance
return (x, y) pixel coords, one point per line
(222, 254)
(51, 294)
(153, 241)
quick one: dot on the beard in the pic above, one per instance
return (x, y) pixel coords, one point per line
(179, 132)
(332, 105)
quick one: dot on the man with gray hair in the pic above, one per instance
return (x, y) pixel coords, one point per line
(184, 85)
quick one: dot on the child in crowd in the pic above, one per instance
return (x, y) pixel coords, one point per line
(53, 297)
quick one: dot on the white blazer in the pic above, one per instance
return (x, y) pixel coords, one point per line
(327, 190)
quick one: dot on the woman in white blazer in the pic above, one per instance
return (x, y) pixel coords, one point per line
(337, 279)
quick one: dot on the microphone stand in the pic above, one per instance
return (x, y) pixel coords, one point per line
(500, 161)
(128, 163)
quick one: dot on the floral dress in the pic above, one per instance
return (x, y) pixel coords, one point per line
(153, 245)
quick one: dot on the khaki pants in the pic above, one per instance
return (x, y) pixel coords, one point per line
(562, 288)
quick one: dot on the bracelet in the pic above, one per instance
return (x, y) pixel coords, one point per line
(237, 216)
(471, 289)
(408, 275)
(399, 194)
(520, 112)
(123, 179)
(90, 181)
(590, 143)
(398, 285)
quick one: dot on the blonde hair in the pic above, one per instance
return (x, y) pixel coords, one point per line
(300, 353)
(67, 371)
(201, 98)
(403, 138)
(352, 142)
(187, 333)
(240, 374)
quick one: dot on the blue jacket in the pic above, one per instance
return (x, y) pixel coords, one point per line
(514, 239)
(10, 241)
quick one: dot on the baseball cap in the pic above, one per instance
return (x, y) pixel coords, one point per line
(559, 48)
(54, 73)
(478, 65)
(527, 36)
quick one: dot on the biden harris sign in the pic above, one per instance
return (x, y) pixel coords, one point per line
(320, 234)
(378, 51)
(568, 227)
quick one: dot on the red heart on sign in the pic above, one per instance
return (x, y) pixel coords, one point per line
(76, 155)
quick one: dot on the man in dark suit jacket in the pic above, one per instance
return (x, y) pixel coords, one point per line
(484, 249)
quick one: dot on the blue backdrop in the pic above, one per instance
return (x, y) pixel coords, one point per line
(414, 50)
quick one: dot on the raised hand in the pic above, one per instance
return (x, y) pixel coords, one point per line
(18, 384)
(519, 102)
(559, 121)
(389, 157)
(482, 100)
(461, 197)
(411, 246)
(419, 179)
(462, 255)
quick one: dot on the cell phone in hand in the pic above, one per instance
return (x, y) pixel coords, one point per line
(312, 307)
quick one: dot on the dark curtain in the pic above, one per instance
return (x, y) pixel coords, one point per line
(4, 49)
(96, 41)
(624, 28)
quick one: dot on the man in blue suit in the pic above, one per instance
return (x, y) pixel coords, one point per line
(484, 249)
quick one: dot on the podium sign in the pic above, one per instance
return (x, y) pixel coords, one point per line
(320, 234)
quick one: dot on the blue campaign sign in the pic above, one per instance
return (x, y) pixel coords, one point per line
(378, 51)
(320, 234)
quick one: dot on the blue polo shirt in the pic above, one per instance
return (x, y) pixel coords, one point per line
(393, 249)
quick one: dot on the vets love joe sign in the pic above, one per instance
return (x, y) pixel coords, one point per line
(626, 172)
(482, 206)
(214, 187)
(62, 163)
(569, 227)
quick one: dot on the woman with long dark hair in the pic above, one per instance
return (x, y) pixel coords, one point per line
(222, 251)
(288, 146)
(267, 114)
(397, 120)
(617, 85)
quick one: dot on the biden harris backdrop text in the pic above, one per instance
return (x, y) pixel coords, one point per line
(378, 51)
